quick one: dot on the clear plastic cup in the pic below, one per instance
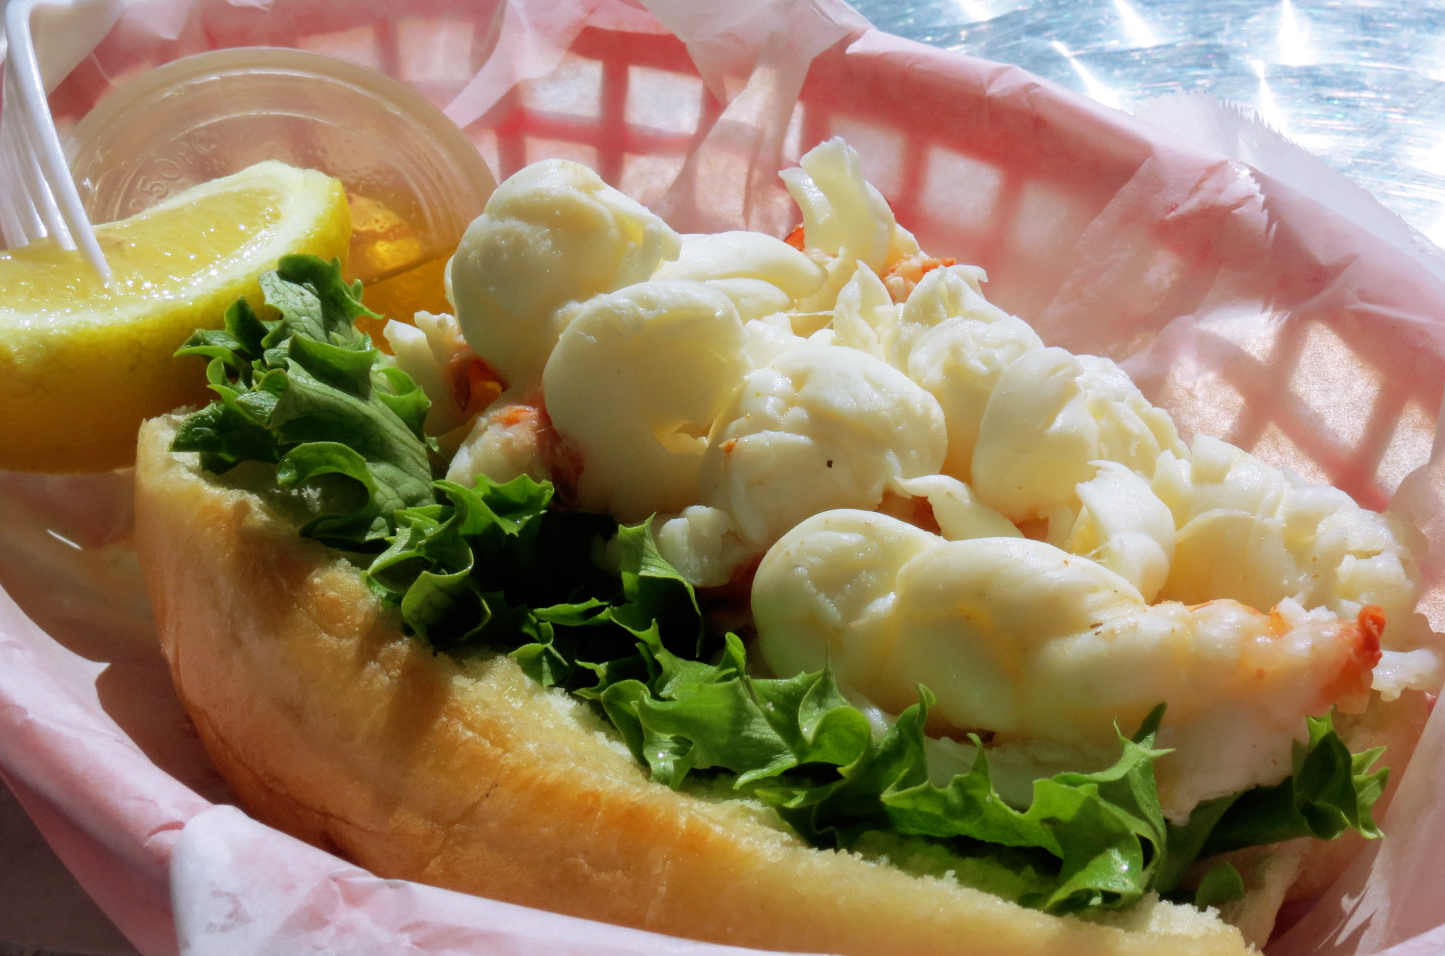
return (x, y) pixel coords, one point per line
(413, 178)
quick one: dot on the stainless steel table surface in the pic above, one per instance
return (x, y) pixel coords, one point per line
(1360, 85)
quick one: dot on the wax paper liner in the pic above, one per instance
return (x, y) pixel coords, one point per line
(1311, 337)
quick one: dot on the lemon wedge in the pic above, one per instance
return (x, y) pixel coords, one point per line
(83, 363)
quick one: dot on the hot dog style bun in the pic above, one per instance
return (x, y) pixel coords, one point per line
(334, 727)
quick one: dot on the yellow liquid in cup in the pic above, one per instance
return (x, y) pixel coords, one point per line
(403, 272)
(414, 181)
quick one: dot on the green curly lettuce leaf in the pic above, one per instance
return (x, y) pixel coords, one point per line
(1085, 840)
(494, 565)
(310, 395)
(1221, 884)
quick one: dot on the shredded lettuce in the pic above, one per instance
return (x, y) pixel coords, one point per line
(592, 607)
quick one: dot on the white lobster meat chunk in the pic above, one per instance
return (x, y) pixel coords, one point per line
(744, 255)
(551, 234)
(634, 384)
(865, 316)
(1123, 526)
(954, 508)
(1051, 416)
(843, 214)
(428, 351)
(821, 426)
(1258, 534)
(1029, 643)
(846, 221)
(957, 345)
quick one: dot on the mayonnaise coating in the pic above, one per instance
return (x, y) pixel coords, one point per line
(642, 437)
(1022, 639)
(551, 234)
(1050, 417)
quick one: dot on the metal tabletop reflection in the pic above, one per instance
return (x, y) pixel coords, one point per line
(1360, 85)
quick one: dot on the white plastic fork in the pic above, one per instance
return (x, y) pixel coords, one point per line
(38, 197)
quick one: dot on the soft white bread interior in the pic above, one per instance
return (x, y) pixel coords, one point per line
(333, 726)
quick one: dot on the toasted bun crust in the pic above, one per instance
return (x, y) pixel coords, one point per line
(332, 726)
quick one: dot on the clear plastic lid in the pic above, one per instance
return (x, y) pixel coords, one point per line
(413, 179)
